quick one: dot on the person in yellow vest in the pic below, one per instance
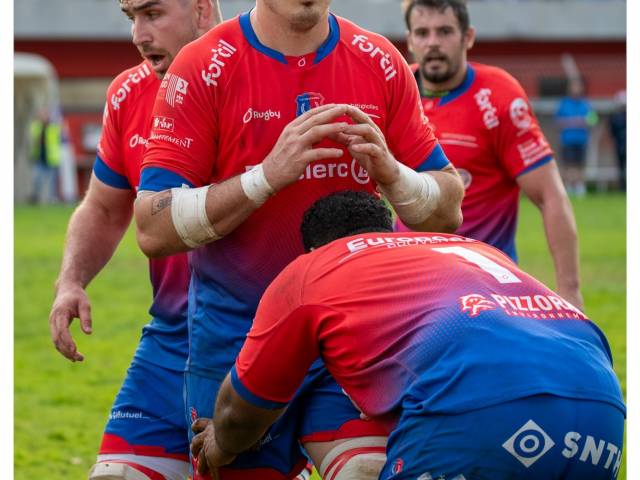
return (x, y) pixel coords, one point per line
(46, 152)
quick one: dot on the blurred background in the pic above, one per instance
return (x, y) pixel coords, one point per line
(67, 52)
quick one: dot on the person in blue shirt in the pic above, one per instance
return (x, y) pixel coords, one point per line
(575, 117)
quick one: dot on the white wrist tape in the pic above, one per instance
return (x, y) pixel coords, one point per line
(189, 215)
(255, 186)
(414, 195)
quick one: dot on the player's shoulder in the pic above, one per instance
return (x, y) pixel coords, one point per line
(496, 78)
(131, 83)
(371, 48)
(214, 53)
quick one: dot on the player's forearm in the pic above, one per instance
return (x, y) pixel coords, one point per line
(447, 216)
(561, 232)
(238, 424)
(92, 236)
(226, 208)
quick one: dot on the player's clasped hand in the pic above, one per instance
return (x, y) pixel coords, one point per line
(71, 302)
(205, 448)
(366, 143)
(294, 149)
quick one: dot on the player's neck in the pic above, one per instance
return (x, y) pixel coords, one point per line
(276, 33)
(431, 89)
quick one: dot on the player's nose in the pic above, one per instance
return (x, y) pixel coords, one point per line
(140, 33)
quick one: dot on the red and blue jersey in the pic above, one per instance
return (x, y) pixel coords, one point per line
(488, 130)
(123, 141)
(220, 110)
(424, 322)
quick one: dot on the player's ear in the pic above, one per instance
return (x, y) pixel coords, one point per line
(470, 37)
(205, 14)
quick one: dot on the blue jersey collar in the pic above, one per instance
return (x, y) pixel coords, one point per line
(325, 49)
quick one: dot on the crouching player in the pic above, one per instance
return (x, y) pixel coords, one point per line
(480, 370)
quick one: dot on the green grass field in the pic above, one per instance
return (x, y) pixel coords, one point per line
(61, 408)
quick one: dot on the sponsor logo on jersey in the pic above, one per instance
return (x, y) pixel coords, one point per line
(133, 78)
(180, 142)
(163, 123)
(520, 115)
(365, 46)
(136, 140)
(475, 304)
(529, 443)
(321, 171)
(307, 101)
(213, 72)
(489, 112)
(175, 89)
(398, 466)
(126, 415)
(595, 451)
(545, 307)
(393, 242)
(533, 150)
(265, 115)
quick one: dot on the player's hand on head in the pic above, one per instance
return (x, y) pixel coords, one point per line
(205, 448)
(294, 149)
(366, 143)
(71, 302)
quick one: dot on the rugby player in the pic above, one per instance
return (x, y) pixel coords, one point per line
(481, 371)
(485, 124)
(269, 112)
(146, 435)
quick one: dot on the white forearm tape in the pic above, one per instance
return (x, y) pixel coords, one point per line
(414, 195)
(189, 215)
(255, 186)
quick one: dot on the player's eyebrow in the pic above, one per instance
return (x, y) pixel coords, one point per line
(139, 8)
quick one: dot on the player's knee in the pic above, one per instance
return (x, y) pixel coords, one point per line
(357, 459)
(117, 471)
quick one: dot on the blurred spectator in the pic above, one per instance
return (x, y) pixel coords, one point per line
(575, 117)
(46, 149)
(618, 129)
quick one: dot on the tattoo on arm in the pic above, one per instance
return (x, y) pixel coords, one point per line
(163, 201)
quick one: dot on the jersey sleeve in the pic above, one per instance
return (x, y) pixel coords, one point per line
(109, 165)
(409, 134)
(182, 144)
(281, 345)
(521, 146)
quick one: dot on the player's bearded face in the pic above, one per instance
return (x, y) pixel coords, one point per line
(302, 15)
(438, 66)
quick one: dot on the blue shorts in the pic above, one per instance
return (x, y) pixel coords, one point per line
(319, 412)
(533, 438)
(147, 417)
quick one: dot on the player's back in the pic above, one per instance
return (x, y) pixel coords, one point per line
(445, 324)
(125, 131)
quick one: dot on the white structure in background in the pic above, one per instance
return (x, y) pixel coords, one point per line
(36, 87)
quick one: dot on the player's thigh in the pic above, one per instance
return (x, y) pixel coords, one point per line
(528, 439)
(277, 457)
(147, 425)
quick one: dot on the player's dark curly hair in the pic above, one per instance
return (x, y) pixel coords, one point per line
(343, 214)
(459, 8)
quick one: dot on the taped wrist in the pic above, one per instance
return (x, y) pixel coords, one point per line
(189, 216)
(255, 186)
(414, 195)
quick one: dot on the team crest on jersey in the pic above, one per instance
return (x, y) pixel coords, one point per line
(475, 303)
(520, 115)
(307, 101)
(175, 89)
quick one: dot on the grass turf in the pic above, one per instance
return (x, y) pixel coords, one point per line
(61, 408)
